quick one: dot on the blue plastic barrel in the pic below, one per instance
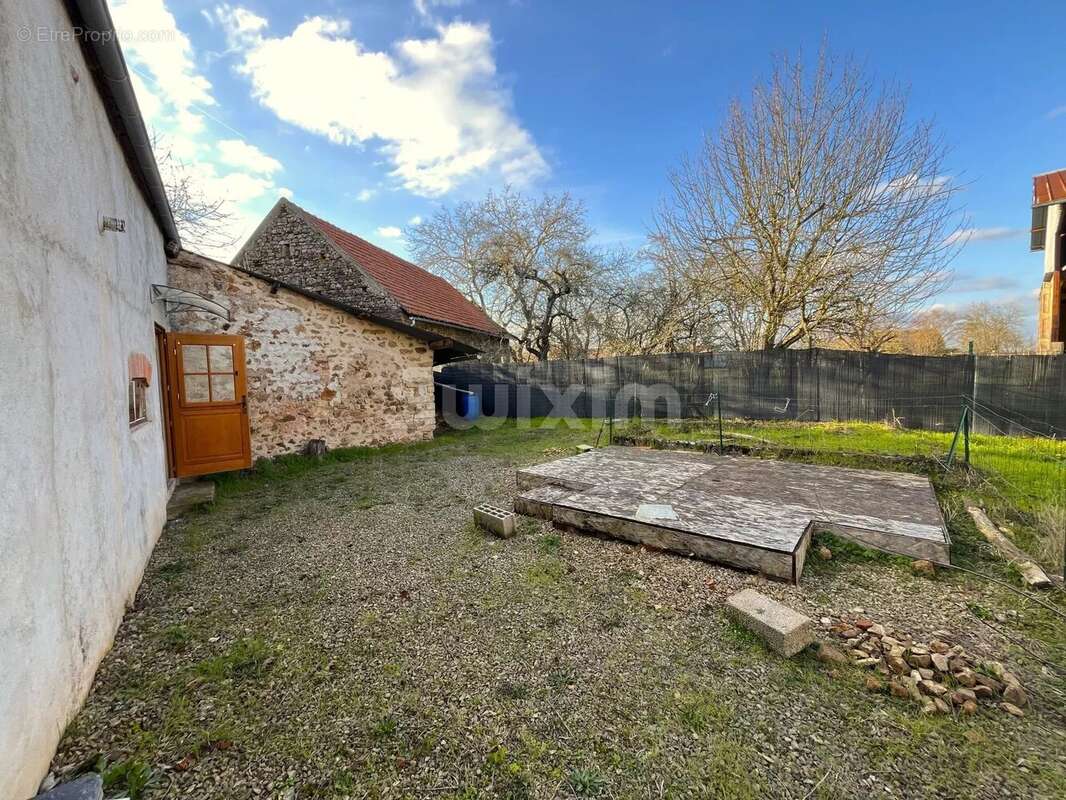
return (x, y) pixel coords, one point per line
(468, 405)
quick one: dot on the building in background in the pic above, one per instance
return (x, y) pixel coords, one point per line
(1049, 227)
(315, 369)
(295, 246)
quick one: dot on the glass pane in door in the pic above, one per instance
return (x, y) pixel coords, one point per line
(221, 357)
(193, 358)
(222, 388)
(196, 389)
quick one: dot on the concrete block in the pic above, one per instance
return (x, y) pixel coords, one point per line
(189, 497)
(495, 520)
(785, 631)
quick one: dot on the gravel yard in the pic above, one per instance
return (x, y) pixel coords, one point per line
(340, 629)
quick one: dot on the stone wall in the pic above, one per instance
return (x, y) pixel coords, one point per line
(296, 252)
(315, 372)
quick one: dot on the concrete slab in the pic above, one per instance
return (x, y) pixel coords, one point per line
(785, 631)
(750, 513)
(188, 497)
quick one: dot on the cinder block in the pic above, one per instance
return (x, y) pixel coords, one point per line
(495, 520)
(785, 631)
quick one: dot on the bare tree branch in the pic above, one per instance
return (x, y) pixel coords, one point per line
(816, 209)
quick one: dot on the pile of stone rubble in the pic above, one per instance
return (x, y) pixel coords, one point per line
(940, 676)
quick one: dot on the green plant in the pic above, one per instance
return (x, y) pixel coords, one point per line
(586, 782)
(384, 728)
(176, 637)
(131, 776)
(246, 658)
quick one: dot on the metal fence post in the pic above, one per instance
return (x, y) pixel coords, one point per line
(721, 438)
(967, 414)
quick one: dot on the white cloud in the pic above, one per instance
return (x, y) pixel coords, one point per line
(365, 195)
(424, 7)
(415, 220)
(983, 234)
(433, 106)
(390, 232)
(176, 101)
(238, 153)
(167, 55)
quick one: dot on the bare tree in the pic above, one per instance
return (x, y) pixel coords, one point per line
(993, 329)
(816, 209)
(524, 260)
(203, 222)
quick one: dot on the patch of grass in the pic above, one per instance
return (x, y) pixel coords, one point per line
(176, 637)
(740, 637)
(173, 570)
(369, 501)
(846, 552)
(513, 691)
(550, 544)
(701, 711)
(545, 572)
(245, 658)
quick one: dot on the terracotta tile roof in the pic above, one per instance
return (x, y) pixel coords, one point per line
(419, 293)
(1049, 188)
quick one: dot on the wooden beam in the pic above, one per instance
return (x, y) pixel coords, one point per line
(1032, 575)
(441, 344)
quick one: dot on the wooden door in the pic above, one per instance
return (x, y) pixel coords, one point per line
(208, 403)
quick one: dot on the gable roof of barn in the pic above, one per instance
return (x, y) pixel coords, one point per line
(421, 294)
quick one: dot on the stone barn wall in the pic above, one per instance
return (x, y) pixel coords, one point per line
(293, 251)
(314, 371)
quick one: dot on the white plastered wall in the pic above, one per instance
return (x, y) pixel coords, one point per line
(82, 495)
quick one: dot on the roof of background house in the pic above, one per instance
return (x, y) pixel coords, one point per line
(1049, 188)
(454, 350)
(419, 293)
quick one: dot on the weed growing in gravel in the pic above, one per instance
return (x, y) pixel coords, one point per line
(701, 711)
(132, 776)
(176, 637)
(246, 658)
(586, 782)
(384, 728)
(173, 570)
(550, 544)
(545, 572)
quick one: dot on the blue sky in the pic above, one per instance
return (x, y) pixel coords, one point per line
(371, 114)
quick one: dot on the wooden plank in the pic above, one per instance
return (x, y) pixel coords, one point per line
(1031, 573)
